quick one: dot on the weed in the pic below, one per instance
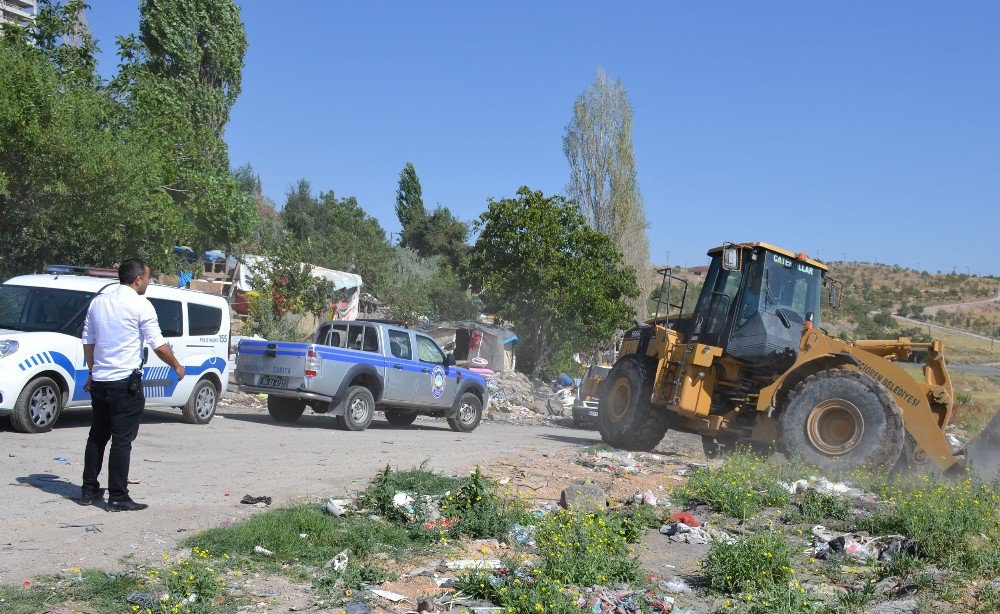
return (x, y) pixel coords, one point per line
(279, 530)
(103, 591)
(854, 600)
(353, 578)
(480, 510)
(815, 506)
(586, 549)
(416, 482)
(749, 565)
(988, 600)
(963, 399)
(741, 487)
(901, 565)
(940, 516)
(788, 599)
(518, 592)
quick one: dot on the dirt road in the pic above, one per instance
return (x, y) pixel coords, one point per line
(194, 477)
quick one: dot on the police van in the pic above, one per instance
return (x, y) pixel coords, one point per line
(42, 367)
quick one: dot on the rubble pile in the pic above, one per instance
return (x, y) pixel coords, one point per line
(519, 396)
(619, 463)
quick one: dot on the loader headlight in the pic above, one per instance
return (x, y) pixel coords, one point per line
(8, 347)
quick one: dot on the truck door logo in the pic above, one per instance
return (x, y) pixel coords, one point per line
(437, 382)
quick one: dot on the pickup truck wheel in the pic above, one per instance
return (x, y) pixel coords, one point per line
(285, 410)
(470, 412)
(359, 409)
(201, 404)
(397, 417)
(38, 407)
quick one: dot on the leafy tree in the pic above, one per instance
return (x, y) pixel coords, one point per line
(75, 186)
(302, 213)
(440, 234)
(178, 81)
(598, 146)
(409, 202)
(541, 267)
(267, 235)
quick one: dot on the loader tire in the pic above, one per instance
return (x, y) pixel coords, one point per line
(843, 419)
(626, 419)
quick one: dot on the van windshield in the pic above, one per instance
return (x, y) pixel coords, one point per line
(27, 308)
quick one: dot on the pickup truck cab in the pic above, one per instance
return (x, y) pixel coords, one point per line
(354, 368)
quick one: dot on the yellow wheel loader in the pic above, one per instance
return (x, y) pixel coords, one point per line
(751, 366)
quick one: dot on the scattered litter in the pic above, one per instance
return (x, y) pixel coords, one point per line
(676, 585)
(251, 500)
(464, 564)
(335, 507)
(339, 562)
(523, 534)
(612, 601)
(262, 550)
(303, 535)
(61, 459)
(617, 462)
(685, 517)
(144, 600)
(649, 498)
(826, 487)
(391, 596)
(90, 528)
(684, 533)
(131, 481)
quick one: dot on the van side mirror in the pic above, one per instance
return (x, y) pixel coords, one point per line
(730, 257)
(449, 360)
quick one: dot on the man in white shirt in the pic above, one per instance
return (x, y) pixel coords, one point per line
(118, 325)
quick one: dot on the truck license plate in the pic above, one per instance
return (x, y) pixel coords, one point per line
(272, 382)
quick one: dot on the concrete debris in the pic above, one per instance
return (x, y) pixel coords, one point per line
(584, 498)
(908, 606)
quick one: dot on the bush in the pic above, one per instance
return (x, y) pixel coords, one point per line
(741, 487)
(519, 592)
(815, 506)
(749, 565)
(480, 510)
(417, 482)
(586, 549)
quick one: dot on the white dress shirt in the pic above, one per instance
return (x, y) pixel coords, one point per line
(117, 324)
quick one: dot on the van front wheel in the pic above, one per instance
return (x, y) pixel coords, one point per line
(201, 405)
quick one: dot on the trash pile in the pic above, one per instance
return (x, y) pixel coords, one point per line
(619, 463)
(682, 527)
(826, 487)
(517, 394)
(859, 546)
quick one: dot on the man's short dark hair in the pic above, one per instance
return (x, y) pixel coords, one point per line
(129, 270)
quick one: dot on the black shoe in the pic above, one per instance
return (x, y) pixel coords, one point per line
(89, 498)
(127, 505)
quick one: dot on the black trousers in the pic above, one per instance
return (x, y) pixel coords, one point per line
(116, 418)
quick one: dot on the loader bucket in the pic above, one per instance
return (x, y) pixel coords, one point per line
(983, 455)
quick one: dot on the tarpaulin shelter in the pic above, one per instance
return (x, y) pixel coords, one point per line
(469, 340)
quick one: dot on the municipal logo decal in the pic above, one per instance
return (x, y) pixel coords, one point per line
(437, 382)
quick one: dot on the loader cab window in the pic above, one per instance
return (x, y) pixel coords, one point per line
(791, 286)
(717, 299)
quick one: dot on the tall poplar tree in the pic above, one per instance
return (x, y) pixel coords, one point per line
(598, 146)
(409, 203)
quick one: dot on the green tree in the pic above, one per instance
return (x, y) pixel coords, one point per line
(409, 202)
(440, 234)
(598, 146)
(178, 81)
(541, 267)
(75, 185)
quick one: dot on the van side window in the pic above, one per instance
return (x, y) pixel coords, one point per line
(370, 340)
(203, 320)
(399, 344)
(169, 315)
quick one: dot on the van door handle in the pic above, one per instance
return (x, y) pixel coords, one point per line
(400, 367)
(425, 370)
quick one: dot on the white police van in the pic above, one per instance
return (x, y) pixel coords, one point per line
(42, 368)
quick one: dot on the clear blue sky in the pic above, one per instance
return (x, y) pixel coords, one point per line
(863, 129)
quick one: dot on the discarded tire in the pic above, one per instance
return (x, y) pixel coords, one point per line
(625, 418)
(842, 418)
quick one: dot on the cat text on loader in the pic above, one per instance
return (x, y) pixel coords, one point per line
(751, 366)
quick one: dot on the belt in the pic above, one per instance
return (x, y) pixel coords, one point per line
(112, 383)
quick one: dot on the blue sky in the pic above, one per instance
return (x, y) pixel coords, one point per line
(870, 130)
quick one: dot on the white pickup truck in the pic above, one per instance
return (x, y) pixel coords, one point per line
(354, 368)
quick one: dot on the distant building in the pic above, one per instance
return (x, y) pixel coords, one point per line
(20, 12)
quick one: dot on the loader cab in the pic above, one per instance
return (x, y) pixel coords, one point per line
(755, 303)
